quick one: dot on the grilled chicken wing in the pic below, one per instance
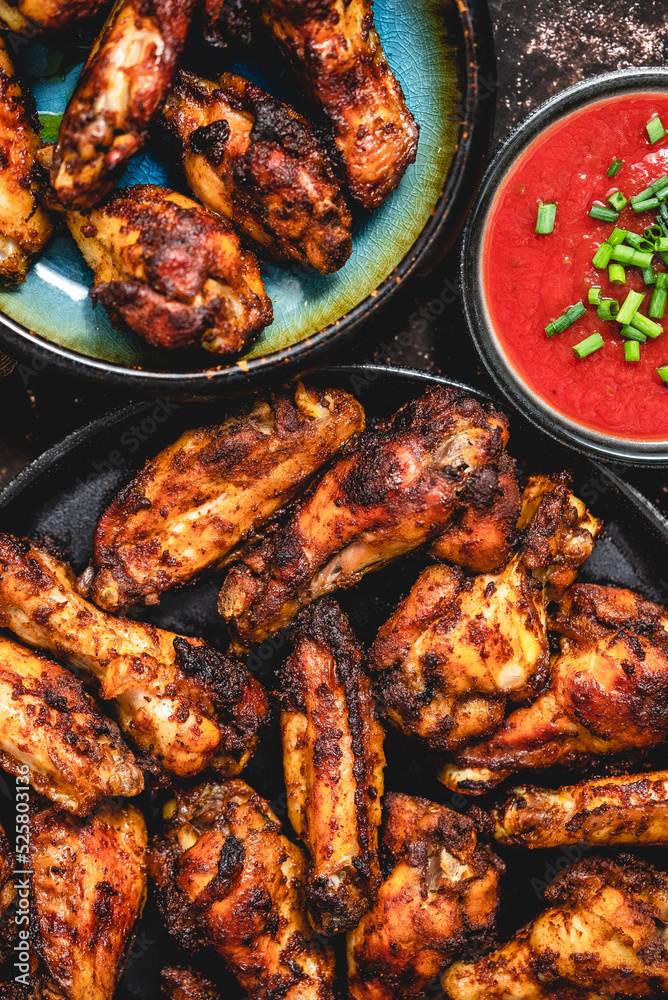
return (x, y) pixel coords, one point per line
(199, 498)
(177, 983)
(333, 760)
(630, 809)
(256, 161)
(48, 722)
(228, 879)
(25, 226)
(172, 271)
(607, 694)
(28, 17)
(120, 91)
(89, 886)
(604, 935)
(335, 49)
(441, 895)
(184, 704)
(393, 491)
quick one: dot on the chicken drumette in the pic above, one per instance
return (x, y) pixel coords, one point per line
(172, 271)
(88, 889)
(333, 760)
(228, 879)
(604, 935)
(391, 492)
(254, 160)
(184, 704)
(28, 17)
(202, 496)
(120, 91)
(25, 226)
(441, 896)
(336, 51)
(607, 695)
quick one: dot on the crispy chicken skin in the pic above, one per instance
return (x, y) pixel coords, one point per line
(441, 895)
(603, 935)
(228, 879)
(393, 490)
(254, 160)
(197, 500)
(184, 704)
(333, 760)
(28, 17)
(482, 532)
(179, 983)
(25, 226)
(120, 91)
(608, 693)
(89, 886)
(225, 21)
(336, 51)
(47, 721)
(629, 809)
(172, 271)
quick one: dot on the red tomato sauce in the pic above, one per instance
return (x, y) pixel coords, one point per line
(530, 279)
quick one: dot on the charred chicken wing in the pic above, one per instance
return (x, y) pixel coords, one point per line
(228, 879)
(396, 489)
(608, 693)
(333, 760)
(48, 722)
(441, 895)
(629, 809)
(120, 91)
(335, 49)
(185, 705)
(89, 886)
(256, 161)
(199, 498)
(172, 271)
(25, 226)
(178, 983)
(604, 935)
(28, 17)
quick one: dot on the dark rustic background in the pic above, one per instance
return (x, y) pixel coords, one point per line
(542, 47)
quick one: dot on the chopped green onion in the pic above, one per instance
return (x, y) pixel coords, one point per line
(631, 334)
(588, 345)
(648, 276)
(602, 256)
(663, 212)
(614, 167)
(616, 237)
(661, 245)
(618, 201)
(608, 309)
(663, 373)
(628, 255)
(655, 129)
(646, 326)
(657, 305)
(616, 274)
(654, 189)
(631, 350)
(654, 231)
(630, 306)
(639, 242)
(646, 206)
(566, 319)
(546, 215)
(603, 214)
(662, 280)
(594, 296)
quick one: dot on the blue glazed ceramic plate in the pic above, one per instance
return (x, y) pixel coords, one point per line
(429, 44)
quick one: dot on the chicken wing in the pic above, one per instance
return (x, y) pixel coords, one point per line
(630, 809)
(607, 695)
(48, 722)
(228, 879)
(603, 936)
(225, 21)
(28, 17)
(178, 983)
(25, 226)
(121, 90)
(89, 886)
(396, 489)
(172, 271)
(335, 49)
(197, 500)
(441, 895)
(8, 925)
(333, 760)
(184, 704)
(257, 162)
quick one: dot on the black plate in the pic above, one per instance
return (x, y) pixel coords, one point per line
(62, 494)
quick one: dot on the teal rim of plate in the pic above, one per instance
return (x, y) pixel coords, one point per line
(54, 301)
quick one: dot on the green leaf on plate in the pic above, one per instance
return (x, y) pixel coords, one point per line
(49, 124)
